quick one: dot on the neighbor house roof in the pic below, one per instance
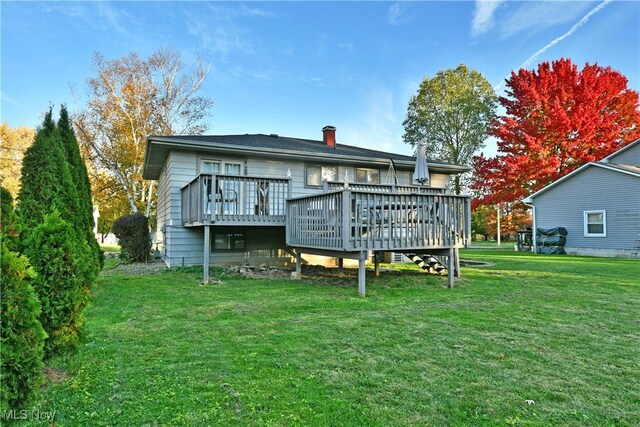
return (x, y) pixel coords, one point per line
(158, 148)
(626, 169)
(621, 150)
(604, 163)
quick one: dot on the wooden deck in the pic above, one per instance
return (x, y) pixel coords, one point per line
(235, 200)
(344, 221)
(356, 220)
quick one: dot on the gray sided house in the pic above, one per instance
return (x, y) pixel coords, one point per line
(598, 204)
(230, 199)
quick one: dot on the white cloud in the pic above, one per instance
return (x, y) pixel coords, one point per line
(531, 17)
(397, 13)
(220, 37)
(9, 100)
(220, 29)
(112, 17)
(483, 16)
(557, 40)
(377, 124)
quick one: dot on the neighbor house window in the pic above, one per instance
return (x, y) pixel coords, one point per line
(317, 174)
(367, 176)
(595, 223)
(228, 242)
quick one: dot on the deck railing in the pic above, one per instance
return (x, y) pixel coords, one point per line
(235, 200)
(381, 188)
(355, 220)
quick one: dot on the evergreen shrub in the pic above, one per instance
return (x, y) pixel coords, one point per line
(22, 336)
(61, 260)
(83, 221)
(132, 232)
(9, 224)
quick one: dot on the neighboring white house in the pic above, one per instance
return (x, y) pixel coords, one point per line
(598, 204)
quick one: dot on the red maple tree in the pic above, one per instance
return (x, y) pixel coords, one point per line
(557, 119)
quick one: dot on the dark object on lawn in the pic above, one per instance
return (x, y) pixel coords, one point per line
(551, 250)
(132, 232)
(551, 241)
(525, 240)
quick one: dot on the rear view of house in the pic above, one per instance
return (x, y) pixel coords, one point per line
(267, 198)
(598, 204)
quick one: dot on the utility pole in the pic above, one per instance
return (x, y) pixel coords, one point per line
(498, 216)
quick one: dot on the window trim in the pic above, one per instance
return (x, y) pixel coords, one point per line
(586, 223)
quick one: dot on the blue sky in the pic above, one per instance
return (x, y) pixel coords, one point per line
(292, 67)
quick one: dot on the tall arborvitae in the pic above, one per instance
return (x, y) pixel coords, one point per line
(84, 220)
(46, 180)
(9, 224)
(54, 238)
(21, 333)
(61, 261)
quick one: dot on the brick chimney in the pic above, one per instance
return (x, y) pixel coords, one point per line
(329, 136)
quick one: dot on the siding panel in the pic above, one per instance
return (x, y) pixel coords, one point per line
(630, 156)
(593, 189)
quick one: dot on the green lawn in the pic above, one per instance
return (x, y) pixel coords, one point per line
(110, 247)
(492, 244)
(563, 332)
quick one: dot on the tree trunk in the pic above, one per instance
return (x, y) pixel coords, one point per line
(148, 210)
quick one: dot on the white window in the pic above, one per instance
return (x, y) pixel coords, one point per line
(317, 174)
(232, 168)
(209, 166)
(368, 176)
(225, 197)
(595, 223)
(217, 166)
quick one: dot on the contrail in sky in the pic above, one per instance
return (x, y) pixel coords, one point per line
(557, 40)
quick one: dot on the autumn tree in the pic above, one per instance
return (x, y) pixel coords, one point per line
(13, 144)
(557, 118)
(450, 114)
(131, 98)
(112, 203)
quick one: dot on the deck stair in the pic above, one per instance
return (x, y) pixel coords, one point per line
(429, 263)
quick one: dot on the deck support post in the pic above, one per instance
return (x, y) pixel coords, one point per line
(376, 263)
(450, 268)
(298, 264)
(206, 254)
(361, 276)
(340, 264)
(457, 267)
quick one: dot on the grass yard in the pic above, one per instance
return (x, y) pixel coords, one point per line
(560, 332)
(110, 247)
(492, 244)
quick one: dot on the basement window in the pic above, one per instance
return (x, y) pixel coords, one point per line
(228, 242)
(595, 223)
